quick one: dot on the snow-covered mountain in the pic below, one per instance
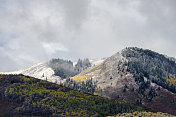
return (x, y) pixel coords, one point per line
(133, 74)
(139, 76)
(40, 70)
(44, 71)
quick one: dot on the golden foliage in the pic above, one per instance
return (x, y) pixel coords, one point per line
(95, 93)
(171, 80)
(80, 78)
(59, 82)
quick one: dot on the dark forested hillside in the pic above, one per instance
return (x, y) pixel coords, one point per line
(144, 114)
(156, 67)
(25, 96)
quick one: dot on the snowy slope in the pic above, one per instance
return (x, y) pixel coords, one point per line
(43, 71)
(96, 61)
(92, 61)
(40, 70)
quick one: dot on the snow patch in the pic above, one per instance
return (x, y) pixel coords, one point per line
(96, 61)
(40, 71)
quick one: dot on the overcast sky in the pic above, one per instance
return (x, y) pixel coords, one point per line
(33, 31)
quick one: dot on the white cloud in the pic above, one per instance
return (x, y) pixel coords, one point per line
(37, 30)
(52, 48)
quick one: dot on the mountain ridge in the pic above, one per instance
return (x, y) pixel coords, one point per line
(135, 75)
(44, 71)
(139, 76)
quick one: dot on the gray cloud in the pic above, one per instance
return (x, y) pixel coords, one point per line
(38, 30)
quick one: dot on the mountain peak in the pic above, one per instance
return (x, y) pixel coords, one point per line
(133, 74)
(137, 75)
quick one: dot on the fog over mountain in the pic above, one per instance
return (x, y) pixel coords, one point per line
(38, 30)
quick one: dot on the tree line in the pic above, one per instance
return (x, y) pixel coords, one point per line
(65, 68)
